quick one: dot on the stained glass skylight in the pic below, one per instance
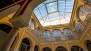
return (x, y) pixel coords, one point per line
(54, 12)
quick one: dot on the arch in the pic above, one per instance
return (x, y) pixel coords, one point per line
(6, 24)
(57, 34)
(84, 13)
(25, 44)
(76, 48)
(61, 48)
(5, 28)
(87, 45)
(46, 49)
(56, 29)
(32, 24)
(69, 34)
(46, 35)
(38, 32)
(78, 27)
(87, 1)
(77, 13)
(36, 48)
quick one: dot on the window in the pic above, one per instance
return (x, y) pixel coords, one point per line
(46, 35)
(57, 34)
(38, 32)
(78, 27)
(46, 49)
(32, 24)
(60, 48)
(69, 34)
(76, 48)
(84, 13)
(89, 1)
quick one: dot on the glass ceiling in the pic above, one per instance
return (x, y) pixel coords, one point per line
(54, 12)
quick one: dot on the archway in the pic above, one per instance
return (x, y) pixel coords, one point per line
(25, 45)
(76, 48)
(60, 48)
(36, 48)
(4, 31)
(46, 49)
(88, 45)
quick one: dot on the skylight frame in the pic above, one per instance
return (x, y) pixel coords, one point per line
(63, 14)
(47, 8)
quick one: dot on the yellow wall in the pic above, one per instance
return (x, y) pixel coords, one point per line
(23, 34)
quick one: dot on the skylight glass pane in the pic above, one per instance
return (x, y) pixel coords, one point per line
(54, 16)
(43, 10)
(64, 21)
(68, 15)
(42, 22)
(40, 5)
(69, 6)
(61, 6)
(54, 12)
(55, 22)
(46, 23)
(37, 13)
(51, 7)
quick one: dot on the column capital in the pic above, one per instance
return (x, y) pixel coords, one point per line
(18, 22)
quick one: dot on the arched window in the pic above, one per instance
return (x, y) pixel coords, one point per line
(57, 34)
(46, 35)
(84, 13)
(78, 27)
(5, 28)
(25, 45)
(38, 32)
(32, 24)
(69, 34)
(76, 48)
(60, 48)
(46, 49)
(36, 48)
(88, 1)
(88, 45)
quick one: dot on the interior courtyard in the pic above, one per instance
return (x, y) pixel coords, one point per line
(45, 25)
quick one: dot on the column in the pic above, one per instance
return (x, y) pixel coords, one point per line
(51, 36)
(75, 33)
(41, 35)
(79, 49)
(63, 36)
(67, 46)
(9, 40)
(53, 47)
